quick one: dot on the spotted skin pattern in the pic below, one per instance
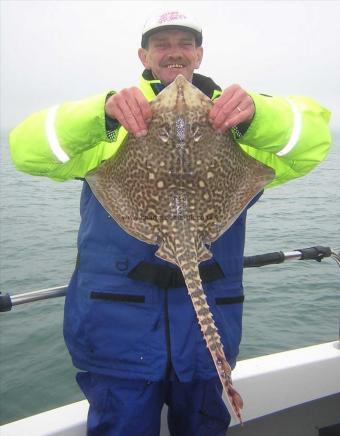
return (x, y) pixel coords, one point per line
(181, 187)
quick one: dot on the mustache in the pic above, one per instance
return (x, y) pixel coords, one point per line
(171, 60)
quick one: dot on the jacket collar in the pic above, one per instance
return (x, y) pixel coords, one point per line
(152, 87)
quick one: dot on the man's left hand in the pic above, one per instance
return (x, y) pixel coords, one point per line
(233, 107)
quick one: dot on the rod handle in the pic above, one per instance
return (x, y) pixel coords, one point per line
(315, 253)
(5, 302)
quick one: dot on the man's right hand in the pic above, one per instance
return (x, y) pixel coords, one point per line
(131, 109)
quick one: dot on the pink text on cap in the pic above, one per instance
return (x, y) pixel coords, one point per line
(170, 16)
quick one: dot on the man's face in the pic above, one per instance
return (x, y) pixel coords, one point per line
(170, 53)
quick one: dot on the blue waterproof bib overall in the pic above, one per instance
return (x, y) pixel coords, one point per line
(121, 328)
(129, 328)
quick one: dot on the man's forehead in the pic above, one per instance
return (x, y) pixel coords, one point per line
(172, 33)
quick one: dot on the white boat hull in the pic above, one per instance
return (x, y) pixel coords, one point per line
(289, 393)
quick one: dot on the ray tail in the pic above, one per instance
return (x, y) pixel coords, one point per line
(188, 264)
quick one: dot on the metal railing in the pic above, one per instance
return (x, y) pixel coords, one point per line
(317, 253)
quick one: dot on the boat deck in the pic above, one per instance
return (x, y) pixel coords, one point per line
(295, 393)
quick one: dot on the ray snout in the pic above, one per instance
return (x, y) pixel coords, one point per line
(179, 95)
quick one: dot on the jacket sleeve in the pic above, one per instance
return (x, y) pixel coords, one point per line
(63, 142)
(291, 135)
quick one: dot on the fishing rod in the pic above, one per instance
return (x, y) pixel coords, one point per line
(317, 253)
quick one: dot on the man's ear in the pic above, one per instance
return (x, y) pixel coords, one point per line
(143, 56)
(199, 53)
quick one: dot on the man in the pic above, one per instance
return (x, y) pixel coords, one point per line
(129, 322)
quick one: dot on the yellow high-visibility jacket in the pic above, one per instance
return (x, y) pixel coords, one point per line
(291, 135)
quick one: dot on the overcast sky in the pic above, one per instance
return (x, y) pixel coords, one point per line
(53, 51)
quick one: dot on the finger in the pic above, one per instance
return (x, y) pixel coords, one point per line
(144, 106)
(139, 106)
(242, 115)
(222, 100)
(227, 109)
(236, 118)
(127, 118)
(241, 106)
(134, 113)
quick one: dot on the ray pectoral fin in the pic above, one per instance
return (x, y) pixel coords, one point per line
(260, 174)
(139, 229)
(120, 209)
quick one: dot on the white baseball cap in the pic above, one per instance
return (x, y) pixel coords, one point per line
(172, 19)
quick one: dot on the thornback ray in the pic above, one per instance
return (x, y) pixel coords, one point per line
(181, 187)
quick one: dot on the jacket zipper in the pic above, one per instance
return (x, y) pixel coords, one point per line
(167, 335)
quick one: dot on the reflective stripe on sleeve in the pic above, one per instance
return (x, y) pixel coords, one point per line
(294, 137)
(52, 136)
